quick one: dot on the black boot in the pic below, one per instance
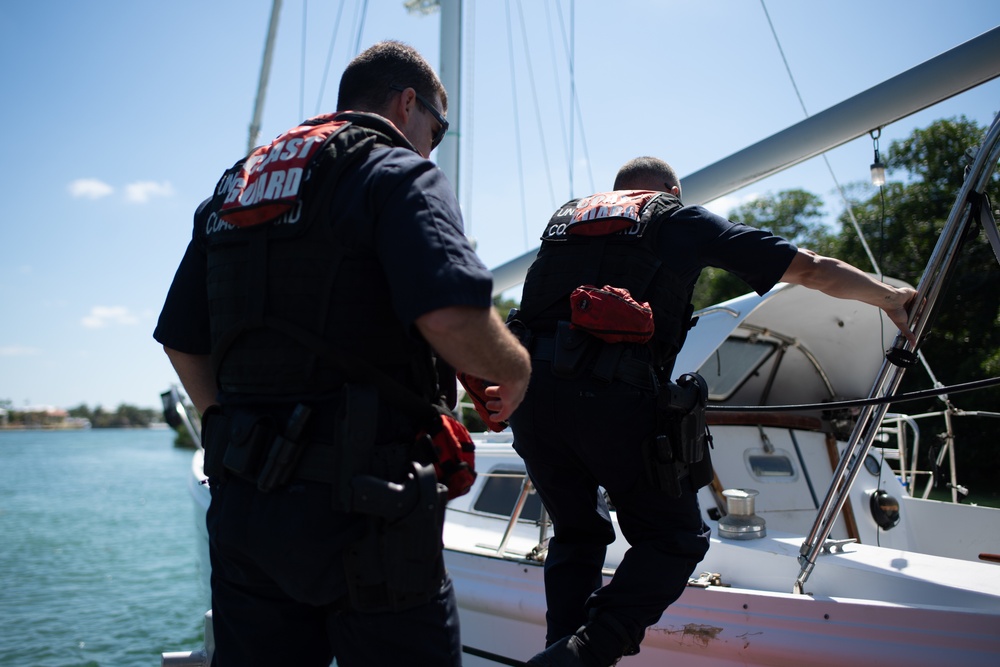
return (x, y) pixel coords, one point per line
(599, 643)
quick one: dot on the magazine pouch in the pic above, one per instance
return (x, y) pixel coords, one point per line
(250, 438)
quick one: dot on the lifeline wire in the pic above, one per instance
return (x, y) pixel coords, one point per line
(895, 398)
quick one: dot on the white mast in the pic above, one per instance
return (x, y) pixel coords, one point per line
(450, 70)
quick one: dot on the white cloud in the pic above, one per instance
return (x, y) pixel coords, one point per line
(104, 316)
(89, 188)
(142, 191)
(18, 351)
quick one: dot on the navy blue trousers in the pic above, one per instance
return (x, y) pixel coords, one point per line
(576, 436)
(279, 588)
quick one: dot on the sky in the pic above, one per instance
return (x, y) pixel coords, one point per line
(119, 116)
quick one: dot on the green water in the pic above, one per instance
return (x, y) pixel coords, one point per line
(98, 565)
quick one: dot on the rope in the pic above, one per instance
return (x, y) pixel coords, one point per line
(894, 398)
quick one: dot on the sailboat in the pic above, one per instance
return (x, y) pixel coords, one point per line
(824, 551)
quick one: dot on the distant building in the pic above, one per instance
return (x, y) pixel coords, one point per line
(40, 416)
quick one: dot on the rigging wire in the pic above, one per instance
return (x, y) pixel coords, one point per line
(538, 112)
(571, 56)
(517, 127)
(575, 110)
(826, 160)
(556, 77)
(361, 30)
(329, 57)
(937, 391)
(302, 65)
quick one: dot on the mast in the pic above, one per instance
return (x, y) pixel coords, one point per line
(265, 73)
(450, 70)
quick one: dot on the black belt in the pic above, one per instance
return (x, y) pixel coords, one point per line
(613, 363)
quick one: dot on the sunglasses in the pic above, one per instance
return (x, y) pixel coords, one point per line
(443, 124)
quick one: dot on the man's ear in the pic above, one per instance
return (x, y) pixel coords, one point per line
(404, 104)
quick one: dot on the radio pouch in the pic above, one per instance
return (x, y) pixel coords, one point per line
(611, 314)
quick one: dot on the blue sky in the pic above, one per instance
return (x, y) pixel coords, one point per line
(119, 116)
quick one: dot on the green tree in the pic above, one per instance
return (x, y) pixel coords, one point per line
(902, 224)
(503, 306)
(793, 214)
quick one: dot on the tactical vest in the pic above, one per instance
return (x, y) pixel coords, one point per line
(285, 279)
(609, 239)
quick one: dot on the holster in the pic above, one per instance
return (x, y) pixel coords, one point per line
(397, 565)
(678, 452)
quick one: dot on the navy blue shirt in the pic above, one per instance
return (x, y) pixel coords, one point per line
(694, 238)
(417, 233)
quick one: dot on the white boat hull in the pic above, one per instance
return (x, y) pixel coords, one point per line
(502, 613)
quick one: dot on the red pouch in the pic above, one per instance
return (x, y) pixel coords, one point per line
(475, 389)
(454, 456)
(611, 314)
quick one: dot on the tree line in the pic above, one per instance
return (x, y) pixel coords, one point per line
(124, 416)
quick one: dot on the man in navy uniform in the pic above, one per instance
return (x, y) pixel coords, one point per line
(339, 245)
(590, 414)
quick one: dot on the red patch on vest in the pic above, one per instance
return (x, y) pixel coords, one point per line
(270, 181)
(608, 212)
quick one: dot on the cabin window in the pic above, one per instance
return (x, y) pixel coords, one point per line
(773, 466)
(731, 364)
(500, 494)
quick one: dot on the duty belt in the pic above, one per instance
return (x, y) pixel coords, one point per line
(614, 362)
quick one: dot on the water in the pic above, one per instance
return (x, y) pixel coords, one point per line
(98, 561)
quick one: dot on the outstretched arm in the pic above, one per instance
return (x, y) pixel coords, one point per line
(844, 281)
(475, 341)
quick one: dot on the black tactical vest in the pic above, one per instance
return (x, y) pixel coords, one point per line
(608, 239)
(285, 280)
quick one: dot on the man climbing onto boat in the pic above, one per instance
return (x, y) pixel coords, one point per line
(328, 289)
(605, 309)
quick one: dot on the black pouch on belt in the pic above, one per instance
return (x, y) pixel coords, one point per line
(573, 351)
(250, 438)
(214, 438)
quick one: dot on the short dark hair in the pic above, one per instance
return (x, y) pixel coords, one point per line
(365, 84)
(637, 173)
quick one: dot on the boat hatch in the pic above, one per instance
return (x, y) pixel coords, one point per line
(501, 492)
(770, 465)
(732, 363)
